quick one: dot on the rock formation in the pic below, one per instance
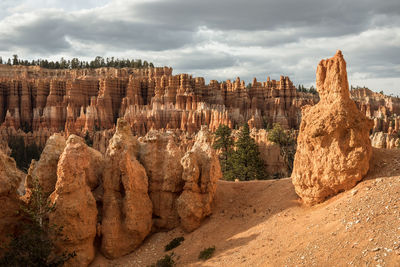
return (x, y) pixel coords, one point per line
(270, 153)
(384, 140)
(333, 146)
(10, 178)
(112, 202)
(45, 170)
(160, 156)
(79, 172)
(385, 111)
(46, 101)
(201, 171)
(127, 208)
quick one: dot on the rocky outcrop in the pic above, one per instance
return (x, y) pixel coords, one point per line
(10, 178)
(113, 202)
(181, 184)
(201, 171)
(333, 146)
(270, 154)
(383, 109)
(160, 156)
(79, 173)
(127, 208)
(384, 140)
(45, 169)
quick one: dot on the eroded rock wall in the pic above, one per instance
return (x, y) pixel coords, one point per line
(89, 100)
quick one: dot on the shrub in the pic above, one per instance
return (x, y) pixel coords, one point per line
(33, 246)
(207, 253)
(167, 261)
(174, 243)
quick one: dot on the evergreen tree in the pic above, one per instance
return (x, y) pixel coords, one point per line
(88, 140)
(15, 60)
(224, 142)
(33, 246)
(245, 163)
(286, 142)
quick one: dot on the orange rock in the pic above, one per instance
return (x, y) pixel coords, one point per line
(201, 171)
(127, 208)
(79, 171)
(10, 178)
(160, 156)
(333, 146)
(45, 169)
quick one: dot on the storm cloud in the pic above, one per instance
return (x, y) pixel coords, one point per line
(215, 39)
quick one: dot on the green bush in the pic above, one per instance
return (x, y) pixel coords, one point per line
(207, 253)
(167, 261)
(174, 243)
(33, 245)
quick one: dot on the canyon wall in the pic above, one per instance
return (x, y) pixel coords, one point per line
(44, 101)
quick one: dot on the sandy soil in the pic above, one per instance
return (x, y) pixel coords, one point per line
(263, 223)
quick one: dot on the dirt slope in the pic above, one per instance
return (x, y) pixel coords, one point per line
(262, 223)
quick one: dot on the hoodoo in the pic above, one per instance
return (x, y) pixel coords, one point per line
(333, 146)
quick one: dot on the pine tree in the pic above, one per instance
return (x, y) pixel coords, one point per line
(88, 140)
(245, 163)
(33, 246)
(286, 142)
(15, 60)
(224, 142)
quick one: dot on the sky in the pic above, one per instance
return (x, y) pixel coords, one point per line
(219, 40)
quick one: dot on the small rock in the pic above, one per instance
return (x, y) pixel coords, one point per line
(354, 191)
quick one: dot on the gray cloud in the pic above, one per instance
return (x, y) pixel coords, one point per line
(216, 39)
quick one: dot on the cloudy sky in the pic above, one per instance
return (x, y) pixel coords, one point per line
(219, 39)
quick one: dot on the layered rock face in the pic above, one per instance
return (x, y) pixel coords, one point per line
(333, 146)
(79, 172)
(76, 101)
(127, 208)
(10, 178)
